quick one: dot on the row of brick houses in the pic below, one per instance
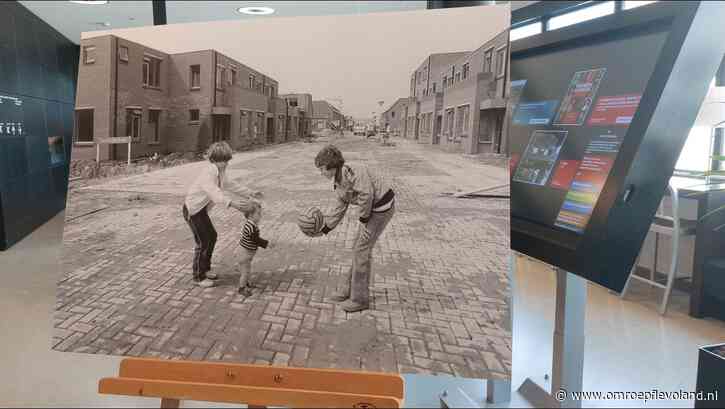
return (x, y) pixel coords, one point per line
(179, 102)
(457, 100)
(327, 116)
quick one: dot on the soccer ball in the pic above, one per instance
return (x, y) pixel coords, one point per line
(311, 222)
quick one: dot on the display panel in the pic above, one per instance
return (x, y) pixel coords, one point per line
(631, 85)
(600, 93)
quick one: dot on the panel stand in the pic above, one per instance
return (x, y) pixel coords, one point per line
(568, 357)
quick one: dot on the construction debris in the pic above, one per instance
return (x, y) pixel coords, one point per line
(479, 192)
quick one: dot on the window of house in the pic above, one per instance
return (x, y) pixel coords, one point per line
(487, 60)
(458, 77)
(449, 122)
(466, 68)
(233, 74)
(459, 121)
(243, 124)
(434, 87)
(220, 72)
(195, 74)
(123, 53)
(596, 10)
(193, 115)
(392, 114)
(133, 123)
(154, 115)
(251, 82)
(526, 30)
(501, 62)
(466, 118)
(151, 72)
(280, 124)
(445, 82)
(89, 54)
(628, 5)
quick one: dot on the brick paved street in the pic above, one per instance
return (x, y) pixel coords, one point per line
(438, 293)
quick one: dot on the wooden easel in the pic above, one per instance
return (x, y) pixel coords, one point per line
(254, 385)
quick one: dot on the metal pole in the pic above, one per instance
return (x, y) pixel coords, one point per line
(568, 345)
(129, 151)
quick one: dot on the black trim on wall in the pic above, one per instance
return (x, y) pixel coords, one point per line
(447, 4)
(159, 8)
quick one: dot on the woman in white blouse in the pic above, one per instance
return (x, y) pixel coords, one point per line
(204, 193)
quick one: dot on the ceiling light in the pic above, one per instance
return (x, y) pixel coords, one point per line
(256, 10)
(102, 24)
(89, 1)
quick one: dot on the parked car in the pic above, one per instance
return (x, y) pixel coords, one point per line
(359, 130)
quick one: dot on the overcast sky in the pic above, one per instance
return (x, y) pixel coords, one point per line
(359, 59)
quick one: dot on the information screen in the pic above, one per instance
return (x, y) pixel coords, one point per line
(572, 110)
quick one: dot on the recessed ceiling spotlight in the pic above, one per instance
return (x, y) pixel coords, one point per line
(102, 24)
(256, 10)
(89, 1)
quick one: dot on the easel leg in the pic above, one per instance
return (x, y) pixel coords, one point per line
(170, 403)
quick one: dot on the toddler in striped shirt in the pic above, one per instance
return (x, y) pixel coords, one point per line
(249, 242)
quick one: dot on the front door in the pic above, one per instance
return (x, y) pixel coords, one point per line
(270, 130)
(221, 128)
(437, 129)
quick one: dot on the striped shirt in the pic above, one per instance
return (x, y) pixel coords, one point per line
(250, 239)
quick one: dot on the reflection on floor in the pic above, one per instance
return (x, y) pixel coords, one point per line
(630, 347)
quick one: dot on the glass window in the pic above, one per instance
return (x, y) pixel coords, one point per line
(466, 112)
(195, 76)
(194, 115)
(581, 15)
(220, 77)
(89, 54)
(151, 72)
(627, 5)
(123, 53)
(501, 62)
(133, 123)
(487, 60)
(526, 30)
(695, 156)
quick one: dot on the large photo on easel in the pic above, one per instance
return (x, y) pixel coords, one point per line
(324, 192)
